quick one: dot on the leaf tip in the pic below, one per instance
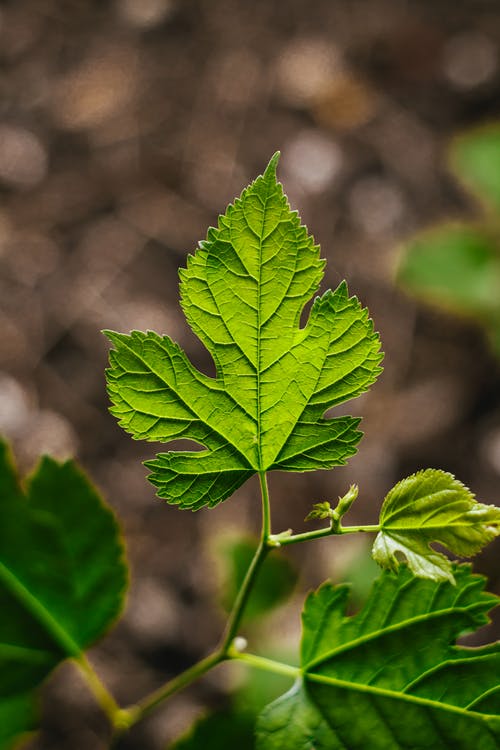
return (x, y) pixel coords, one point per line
(110, 335)
(272, 166)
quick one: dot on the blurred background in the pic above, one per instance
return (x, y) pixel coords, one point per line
(125, 128)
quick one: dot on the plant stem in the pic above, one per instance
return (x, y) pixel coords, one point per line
(102, 695)
(268, 665)
(238, 610)
(375, 528)
(147, 704)
(123, 719)
(281, 541)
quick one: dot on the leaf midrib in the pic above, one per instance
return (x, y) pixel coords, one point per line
(43, 616)
(398, 695)
(381, 632)
(441, 526)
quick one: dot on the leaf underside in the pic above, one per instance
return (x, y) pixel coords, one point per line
(226, 729)
(243, 293)
(432, 506)
(391, 676)
(62, 573)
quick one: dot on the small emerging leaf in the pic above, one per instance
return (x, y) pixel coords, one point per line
(345, 502)
(390, 677)
(432, 506)
(320, 511)
(325, 510)
(243, 293)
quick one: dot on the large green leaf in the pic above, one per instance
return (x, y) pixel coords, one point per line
(224, 730)
(62, 571)
(391, 677)
(243, 293)
(432, 506)
(17, 718)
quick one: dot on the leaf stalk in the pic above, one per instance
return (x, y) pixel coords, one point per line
(267, 665)
(123, 719)
(101, 693)
(332, 530)
(234, 621)
(145, 706)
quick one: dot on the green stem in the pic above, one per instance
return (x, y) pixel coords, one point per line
(238, 610)
(144, 707)
(280, 541)
(102, 695)
(126, 718)
(268, 665)
(375, 528)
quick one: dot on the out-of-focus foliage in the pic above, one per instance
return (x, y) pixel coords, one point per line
(227, 729)
(475, 160)
(17, 718)
(275, 581)
(457, 265)
(63, 578)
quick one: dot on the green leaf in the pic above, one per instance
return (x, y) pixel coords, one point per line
(456, 266)
(320, 511)
(17, 719)
(243, 293)
(325, 510)
(224, 730)
(273, 585)
(432, 506)
(391, 676)
(475, 159)
(62, 571)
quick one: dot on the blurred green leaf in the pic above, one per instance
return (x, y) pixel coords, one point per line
(456, 266)
(390, 677)
(225, 730)
(17, 718)
(475, 159)
(63, 574)
(361, 571)
(274, 584)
